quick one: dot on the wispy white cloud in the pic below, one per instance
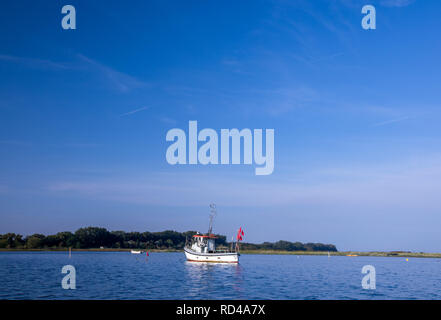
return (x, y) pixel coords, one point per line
(390, 121)
(34, 62)
(386, 3)
(21, 143)
(396, 3)
(279, 101)
(230, 62)
(335, 22)
(82, 145)
(412, 183)
(168, 120)
(121, 81)
(15, 142)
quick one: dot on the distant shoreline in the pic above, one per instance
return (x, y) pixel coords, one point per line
(399, 254)
(393, 254)
(97, 237)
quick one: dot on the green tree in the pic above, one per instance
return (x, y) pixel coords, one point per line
(35, 241)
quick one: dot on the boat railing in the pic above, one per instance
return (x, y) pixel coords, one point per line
(224, 251)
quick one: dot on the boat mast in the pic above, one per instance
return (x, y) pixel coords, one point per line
(212, 215)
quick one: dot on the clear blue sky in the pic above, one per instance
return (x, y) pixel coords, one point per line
(356, 113)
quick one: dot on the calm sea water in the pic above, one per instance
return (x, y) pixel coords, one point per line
(121, 275)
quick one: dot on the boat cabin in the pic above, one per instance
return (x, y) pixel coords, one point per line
(203, 243)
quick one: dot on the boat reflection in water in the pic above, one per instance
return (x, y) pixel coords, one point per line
(214, 280)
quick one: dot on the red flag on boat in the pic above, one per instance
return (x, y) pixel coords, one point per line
(240, 234)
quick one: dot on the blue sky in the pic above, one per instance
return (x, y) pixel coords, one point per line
(356, 113)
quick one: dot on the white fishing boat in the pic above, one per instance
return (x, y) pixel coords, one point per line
(136, 251)
(202, 247)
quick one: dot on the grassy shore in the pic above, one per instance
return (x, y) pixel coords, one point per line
(350, 253)
(85, 250)
(402, 254)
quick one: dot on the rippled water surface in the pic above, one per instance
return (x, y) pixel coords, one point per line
(121, 275)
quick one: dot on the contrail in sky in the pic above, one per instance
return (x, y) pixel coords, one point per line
(133, 111)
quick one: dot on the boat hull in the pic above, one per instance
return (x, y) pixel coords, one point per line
(227, 257)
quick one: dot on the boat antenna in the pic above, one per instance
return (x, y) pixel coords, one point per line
(212, 215)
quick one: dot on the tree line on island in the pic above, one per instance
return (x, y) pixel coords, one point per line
(94, 237)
